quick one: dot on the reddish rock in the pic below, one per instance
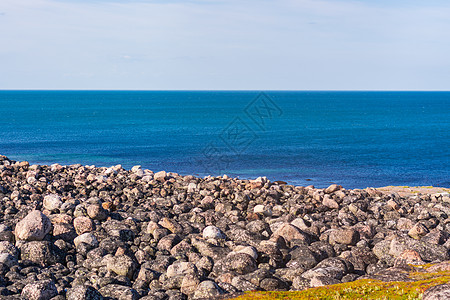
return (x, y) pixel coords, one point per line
(33, 227)
(83, 225)
(344, 236)
(330, 202)
(332, 188)
(290, 232)
(409, 257)
(440, 267)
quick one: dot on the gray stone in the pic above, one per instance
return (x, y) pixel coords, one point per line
(273, 284)
(87, 238)
(41, 290)
(248, 250)
(119, 292)
(381, 249)
(168, 242)
(83, 292)
(242, 284)
(83, 225)
(436, 237)
(322, 280)
(181, 268)
(146, 274)
(206, 249)
(301, 258)
(118, 229)
(7, 247)
(331, 267)
(404, 224)
(189, 284)
(96, 212)
(122, 265)
(428, 252)
(8, 259)
(39, 252)
(207, 290)
(241, 263)
(33, 227)
(300, 283)
(439, 292)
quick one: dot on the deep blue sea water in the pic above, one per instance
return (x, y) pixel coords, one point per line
(356, 139)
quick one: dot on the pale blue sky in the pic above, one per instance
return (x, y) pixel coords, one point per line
(235, 44)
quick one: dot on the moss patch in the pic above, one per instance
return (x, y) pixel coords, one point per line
(362, 289)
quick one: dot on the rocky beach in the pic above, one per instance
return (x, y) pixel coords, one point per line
(85, 232)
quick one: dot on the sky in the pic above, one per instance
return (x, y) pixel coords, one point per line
(225, 45)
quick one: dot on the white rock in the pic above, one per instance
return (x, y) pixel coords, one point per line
(212, 232)
(300, 224)
(101, 179)
(148, 172)
(87, 238)
(261, 179)
(55, 167)
(147, 178)
(136, 168)
(160, 176)
(31, 180)
(110, 171)
(4, 228)
(117, 168)
(137, 171)
(191, 187)
(180, 268)
(258, 209)
(262, 209)
(52, 202)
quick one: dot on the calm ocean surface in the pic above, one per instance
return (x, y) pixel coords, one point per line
(356, 139)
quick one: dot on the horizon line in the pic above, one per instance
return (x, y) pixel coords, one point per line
(215, 90)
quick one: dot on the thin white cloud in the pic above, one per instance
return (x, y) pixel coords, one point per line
(233, 44)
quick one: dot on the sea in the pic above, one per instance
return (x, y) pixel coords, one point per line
(352, 138)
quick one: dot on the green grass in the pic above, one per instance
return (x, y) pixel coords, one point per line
(362, 289)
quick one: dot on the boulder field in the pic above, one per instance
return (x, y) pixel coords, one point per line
(85, 232)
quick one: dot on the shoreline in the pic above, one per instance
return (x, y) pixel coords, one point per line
(74, 232)
(400, 189)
